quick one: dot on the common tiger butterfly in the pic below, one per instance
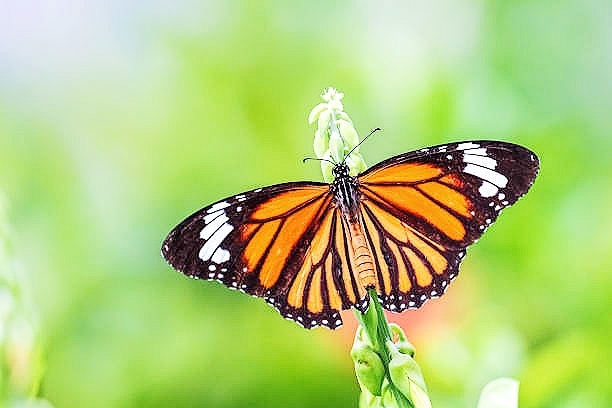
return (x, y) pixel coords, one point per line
(402, 227)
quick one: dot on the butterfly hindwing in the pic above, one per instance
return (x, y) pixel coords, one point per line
(410, 267)
(424, 208)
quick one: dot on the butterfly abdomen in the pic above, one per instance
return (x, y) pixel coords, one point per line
(362, 257)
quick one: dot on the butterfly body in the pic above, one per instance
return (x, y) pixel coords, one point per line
(401, 227)
(345, 190)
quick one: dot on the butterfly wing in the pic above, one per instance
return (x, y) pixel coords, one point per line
(284, 243)
(422, 209)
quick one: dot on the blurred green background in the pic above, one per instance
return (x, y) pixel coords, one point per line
(119, 119)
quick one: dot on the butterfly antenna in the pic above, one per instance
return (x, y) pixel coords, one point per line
(359, 144)
(318, 159)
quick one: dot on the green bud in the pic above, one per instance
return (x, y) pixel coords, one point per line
(369, 367)
(343, 116)
(324, 121)
(388, 399)
(321, 143)
(367, 400)
(326, 170)
(349, 134)
(335, 136)
(336, 105)
(336, 146)
(315, 112)
(407, 377)
(420, 399)
(330, 94)
(403, 345)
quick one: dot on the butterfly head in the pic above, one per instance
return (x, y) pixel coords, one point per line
(341, 170)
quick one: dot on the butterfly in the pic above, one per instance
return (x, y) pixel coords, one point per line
(401, 227)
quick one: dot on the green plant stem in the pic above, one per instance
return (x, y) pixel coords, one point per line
(377, 328)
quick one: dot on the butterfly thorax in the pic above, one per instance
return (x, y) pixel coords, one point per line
(346, 192)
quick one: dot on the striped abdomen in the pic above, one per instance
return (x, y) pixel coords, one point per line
(362, 260)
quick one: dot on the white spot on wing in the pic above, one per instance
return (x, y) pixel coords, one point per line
(208, 218)
(208, 230)
(488, 190)
(221, 255)
(467, 145)
(483, 161)
(479, 152)
(487, 174)
(218, 206)
(213, 243)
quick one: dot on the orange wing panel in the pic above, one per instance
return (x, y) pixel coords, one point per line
(346, 260)
(334, 299)
(410, 200)
(320, 241)
(447, 196)
(247, 230)
(284, 202)
(451, 180)
(290, 232)
(435, 258)
(377, 254)
(402, 173)
(257, 246)
(315, 300)
(404, 277)
(421, 272)
(392, 225)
